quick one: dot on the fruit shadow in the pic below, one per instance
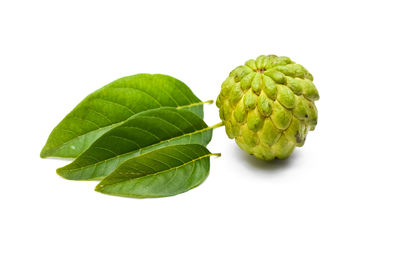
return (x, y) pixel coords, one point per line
(272, 166)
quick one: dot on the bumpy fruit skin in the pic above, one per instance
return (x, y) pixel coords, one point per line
(267, 105)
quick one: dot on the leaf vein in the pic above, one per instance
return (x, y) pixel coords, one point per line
(159, 172)
(141, 148)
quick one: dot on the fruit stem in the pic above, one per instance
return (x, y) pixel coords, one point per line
(219, 124)
(197, 104)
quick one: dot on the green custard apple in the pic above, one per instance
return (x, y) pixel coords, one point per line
(267, 105)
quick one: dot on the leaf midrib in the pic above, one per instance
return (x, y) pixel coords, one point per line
(61, 146)
(159, 172)
(138, 150)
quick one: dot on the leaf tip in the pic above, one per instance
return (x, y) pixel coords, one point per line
(44, 153)
(99, 188)
(61, 172)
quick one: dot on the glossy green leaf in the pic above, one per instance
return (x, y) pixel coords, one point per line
(146, 131)
(113, 104)
(164, 172)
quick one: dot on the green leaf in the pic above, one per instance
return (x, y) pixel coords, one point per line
(164, 172)
(144, 132)
(113, 104)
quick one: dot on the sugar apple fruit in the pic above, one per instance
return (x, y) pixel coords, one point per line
(267, 105)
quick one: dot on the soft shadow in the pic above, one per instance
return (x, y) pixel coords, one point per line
(59, 159)
(270, 166)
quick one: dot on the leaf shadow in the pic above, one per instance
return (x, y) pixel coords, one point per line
(60, 159)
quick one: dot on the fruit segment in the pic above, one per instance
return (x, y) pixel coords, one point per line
(267, 106)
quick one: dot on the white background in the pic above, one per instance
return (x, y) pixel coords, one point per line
(335, 202)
